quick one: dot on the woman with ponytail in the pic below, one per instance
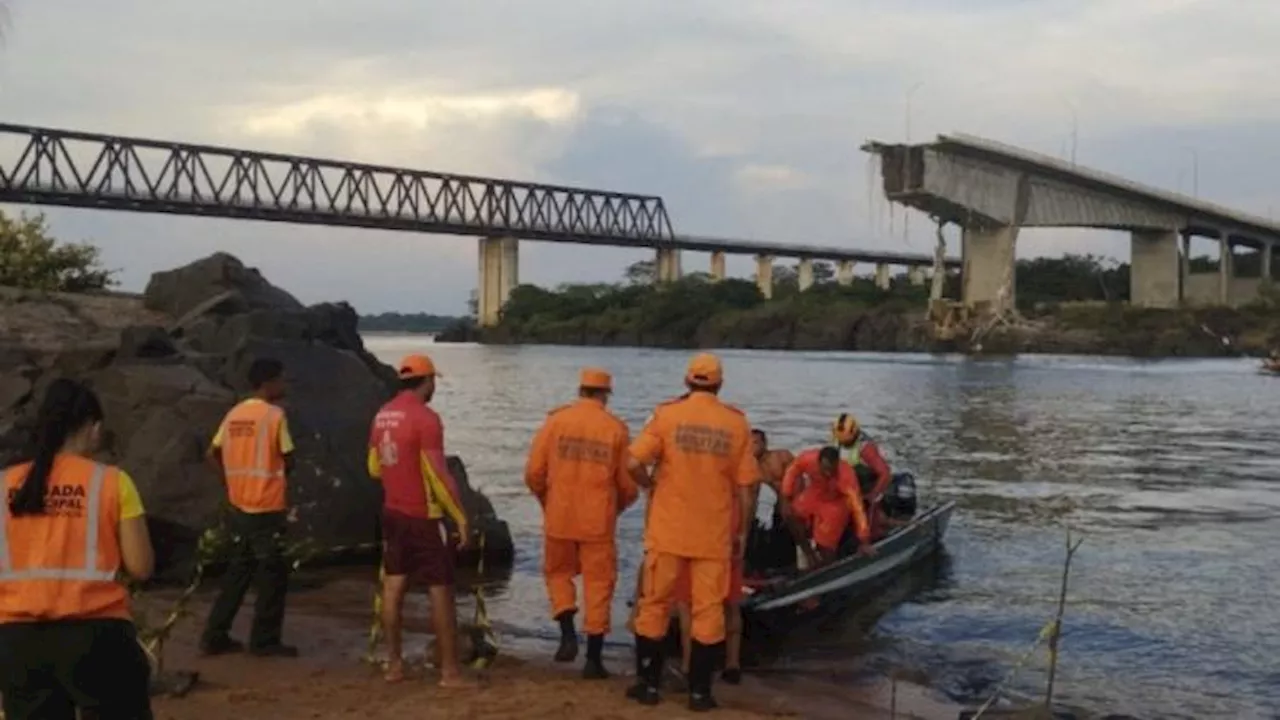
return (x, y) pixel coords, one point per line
(70, 526)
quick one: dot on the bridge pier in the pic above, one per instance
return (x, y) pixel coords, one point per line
(764, 275)
(916, 275)
(804, 274)
(844, 273)
(499, 274)
(987, 256)
(1154, 268)
(717, 266)
(882, 276)
(668, 265)
(1226, 269)
(1266, 261)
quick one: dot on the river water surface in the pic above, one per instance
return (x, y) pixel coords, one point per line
(1169, 470)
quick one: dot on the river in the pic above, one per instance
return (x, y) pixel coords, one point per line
(1168, 470)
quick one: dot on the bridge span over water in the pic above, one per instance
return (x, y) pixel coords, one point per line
(991, 190)
(46, 166)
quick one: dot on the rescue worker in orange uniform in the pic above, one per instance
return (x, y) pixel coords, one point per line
(577, 469)
(406, 453)
(869, 466)
(773, 465)
(69, 525)
(253, 449)
(702, 449)
(828, 498)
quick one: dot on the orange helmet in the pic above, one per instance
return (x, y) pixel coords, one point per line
(845, 429)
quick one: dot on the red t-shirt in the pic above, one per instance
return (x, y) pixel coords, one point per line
(406, 450)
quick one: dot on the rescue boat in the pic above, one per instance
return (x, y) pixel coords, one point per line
(769, 592)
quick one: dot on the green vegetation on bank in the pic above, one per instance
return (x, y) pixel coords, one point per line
(394, 322)
(31, 259)
(1077, 303)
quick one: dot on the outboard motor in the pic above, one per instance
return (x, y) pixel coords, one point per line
(899, 500)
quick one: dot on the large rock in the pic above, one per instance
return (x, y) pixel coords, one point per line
(167, 378)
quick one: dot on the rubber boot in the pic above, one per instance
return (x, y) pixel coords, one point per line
(568, 650)
(702, 663)
(648, 672)
(594, 669)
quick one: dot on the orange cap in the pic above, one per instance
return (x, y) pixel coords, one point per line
(704, 370)
(416, 366)
(595, 379)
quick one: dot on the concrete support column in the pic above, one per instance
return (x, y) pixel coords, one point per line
(844, 273)
(1185, 268)
(988, 265)
(764, 275)
(882, 276)
(804, 274)
(916, 275)
(717, 266)
(668, 265)
(1266, 261)
(1155, 264)
(1225, 269)
(499, 274)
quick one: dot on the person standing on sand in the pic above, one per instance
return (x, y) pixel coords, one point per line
(773, 464)
(577, 470)
(253, 451)
(67, 638)
(406, 453)
(703, 449)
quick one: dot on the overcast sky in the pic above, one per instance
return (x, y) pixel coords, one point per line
(745, 115)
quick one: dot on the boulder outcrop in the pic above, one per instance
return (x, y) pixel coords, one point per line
(168, 365)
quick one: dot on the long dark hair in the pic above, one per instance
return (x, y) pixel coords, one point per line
(67, 408)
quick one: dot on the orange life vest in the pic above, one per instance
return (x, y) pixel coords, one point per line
(251, 457)
(63, 564)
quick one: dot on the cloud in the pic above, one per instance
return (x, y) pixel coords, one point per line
(746, 115)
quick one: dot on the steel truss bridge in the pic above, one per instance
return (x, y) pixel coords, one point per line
(87, 170)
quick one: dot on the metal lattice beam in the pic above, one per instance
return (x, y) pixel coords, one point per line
(42, 166)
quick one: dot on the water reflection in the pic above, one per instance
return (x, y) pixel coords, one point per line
(1169, 467)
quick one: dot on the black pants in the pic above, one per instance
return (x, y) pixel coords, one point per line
(257, 559)
(49, 669)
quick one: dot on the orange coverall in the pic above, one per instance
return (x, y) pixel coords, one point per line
(577, 468)
(702, 448)
(826, 503)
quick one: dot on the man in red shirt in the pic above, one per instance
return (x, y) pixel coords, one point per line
(406, 452)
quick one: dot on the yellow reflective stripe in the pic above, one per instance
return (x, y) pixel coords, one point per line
(89, 571)
(440, 492)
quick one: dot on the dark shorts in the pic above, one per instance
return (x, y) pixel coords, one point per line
(416, 547)
(48, 669)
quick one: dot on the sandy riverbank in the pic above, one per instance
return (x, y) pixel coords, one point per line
(329, 681)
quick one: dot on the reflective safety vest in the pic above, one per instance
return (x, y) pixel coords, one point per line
(853, 456)
(251, 457)
(63, 564)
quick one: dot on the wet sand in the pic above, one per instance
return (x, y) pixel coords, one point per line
(331, 681)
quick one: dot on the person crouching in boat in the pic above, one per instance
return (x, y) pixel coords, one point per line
(577, 469)
(824, 505)
(869, 466)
